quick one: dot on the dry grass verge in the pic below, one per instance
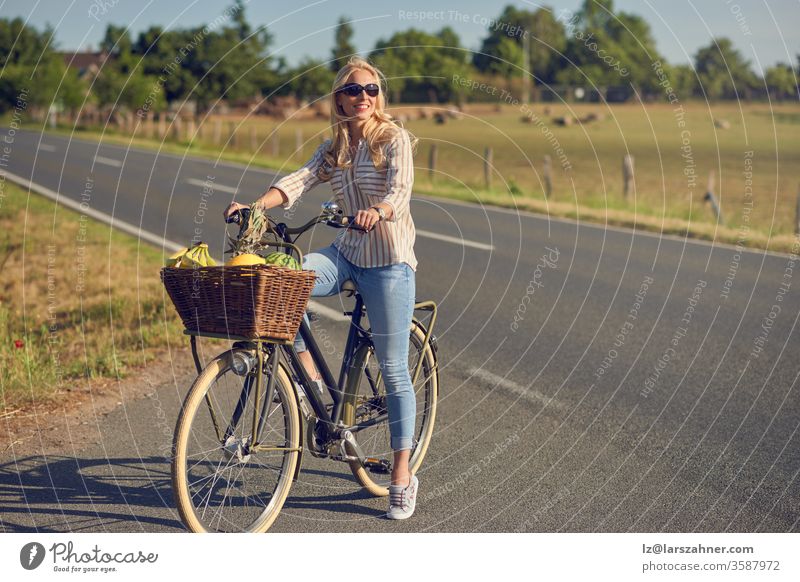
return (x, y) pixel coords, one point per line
(77, 302)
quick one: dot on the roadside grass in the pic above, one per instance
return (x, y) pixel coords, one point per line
(77, 301)
(670, 182)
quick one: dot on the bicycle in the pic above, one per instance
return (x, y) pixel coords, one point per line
(253, 411)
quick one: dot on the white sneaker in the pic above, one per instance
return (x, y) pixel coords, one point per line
(403, 500)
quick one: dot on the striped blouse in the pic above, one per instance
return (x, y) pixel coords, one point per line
(359, 187)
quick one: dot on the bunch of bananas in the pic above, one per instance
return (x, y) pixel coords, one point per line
(191, 258)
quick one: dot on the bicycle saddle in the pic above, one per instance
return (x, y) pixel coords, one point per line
(349, 287)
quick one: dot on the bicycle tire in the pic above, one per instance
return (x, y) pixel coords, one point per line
(237, 498)
(378, 445)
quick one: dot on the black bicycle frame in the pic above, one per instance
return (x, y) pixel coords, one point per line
(356, 335)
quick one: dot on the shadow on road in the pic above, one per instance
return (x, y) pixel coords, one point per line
(58, 494)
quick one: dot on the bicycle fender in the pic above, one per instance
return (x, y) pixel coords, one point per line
(432, 341)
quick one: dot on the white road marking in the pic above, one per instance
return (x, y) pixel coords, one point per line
(46, 147)
(511, 386)
(455, 240)
(211, 185)
(108, 161)
(116, 223)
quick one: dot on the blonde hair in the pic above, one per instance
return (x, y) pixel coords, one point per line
(379, 129)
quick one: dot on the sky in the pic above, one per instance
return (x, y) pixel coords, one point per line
(764, 31)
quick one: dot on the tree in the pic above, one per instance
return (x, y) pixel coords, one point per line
(781, 82)
(121, 82)
(343, 48)
(116, 41)
(30, 66)
(311, 80)
(634, 40)
(609, 49)
(206, 63)
(722, 71)
(158, 49)
(500, 56)
(683, 80)
(420, 66)
(546, 37)
(233, 62)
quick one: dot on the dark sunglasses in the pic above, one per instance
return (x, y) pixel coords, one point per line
(354, 89)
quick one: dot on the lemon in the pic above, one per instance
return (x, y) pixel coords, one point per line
(246, 259)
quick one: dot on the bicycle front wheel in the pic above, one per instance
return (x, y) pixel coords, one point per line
(227, 477)
(365, 409)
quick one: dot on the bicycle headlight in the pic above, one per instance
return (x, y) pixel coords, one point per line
(242, 363)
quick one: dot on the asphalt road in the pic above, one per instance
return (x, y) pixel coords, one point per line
(593, 379)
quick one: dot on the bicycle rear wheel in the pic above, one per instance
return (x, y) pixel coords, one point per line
(368, 403)
(223, 482)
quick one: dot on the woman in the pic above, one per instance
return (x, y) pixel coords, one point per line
(369, 164)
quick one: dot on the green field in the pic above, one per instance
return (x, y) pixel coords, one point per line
(673, 155)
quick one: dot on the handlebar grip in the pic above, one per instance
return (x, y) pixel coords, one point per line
(241, 216)
(350, 222)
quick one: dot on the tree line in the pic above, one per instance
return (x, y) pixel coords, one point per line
(602, 51)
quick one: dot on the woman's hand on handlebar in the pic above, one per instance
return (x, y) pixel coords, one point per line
(233, 207)
(367, 219)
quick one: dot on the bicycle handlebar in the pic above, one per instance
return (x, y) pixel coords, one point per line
(242, 217)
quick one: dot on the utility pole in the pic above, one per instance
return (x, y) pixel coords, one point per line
(526, 66)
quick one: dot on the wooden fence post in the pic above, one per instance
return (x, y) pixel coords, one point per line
(487, 168)
(298, 142)
(434, 154)
(712, 199)
(217, 131)
(234, 135)
(797, 214)
(627, 175)
(276, 144)
(548, 177)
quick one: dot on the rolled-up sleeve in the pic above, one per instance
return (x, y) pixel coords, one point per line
(399, 174)
(300, 181)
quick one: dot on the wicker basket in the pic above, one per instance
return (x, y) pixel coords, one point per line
(257, 302)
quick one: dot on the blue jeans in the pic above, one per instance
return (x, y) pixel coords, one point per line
(389, 293)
